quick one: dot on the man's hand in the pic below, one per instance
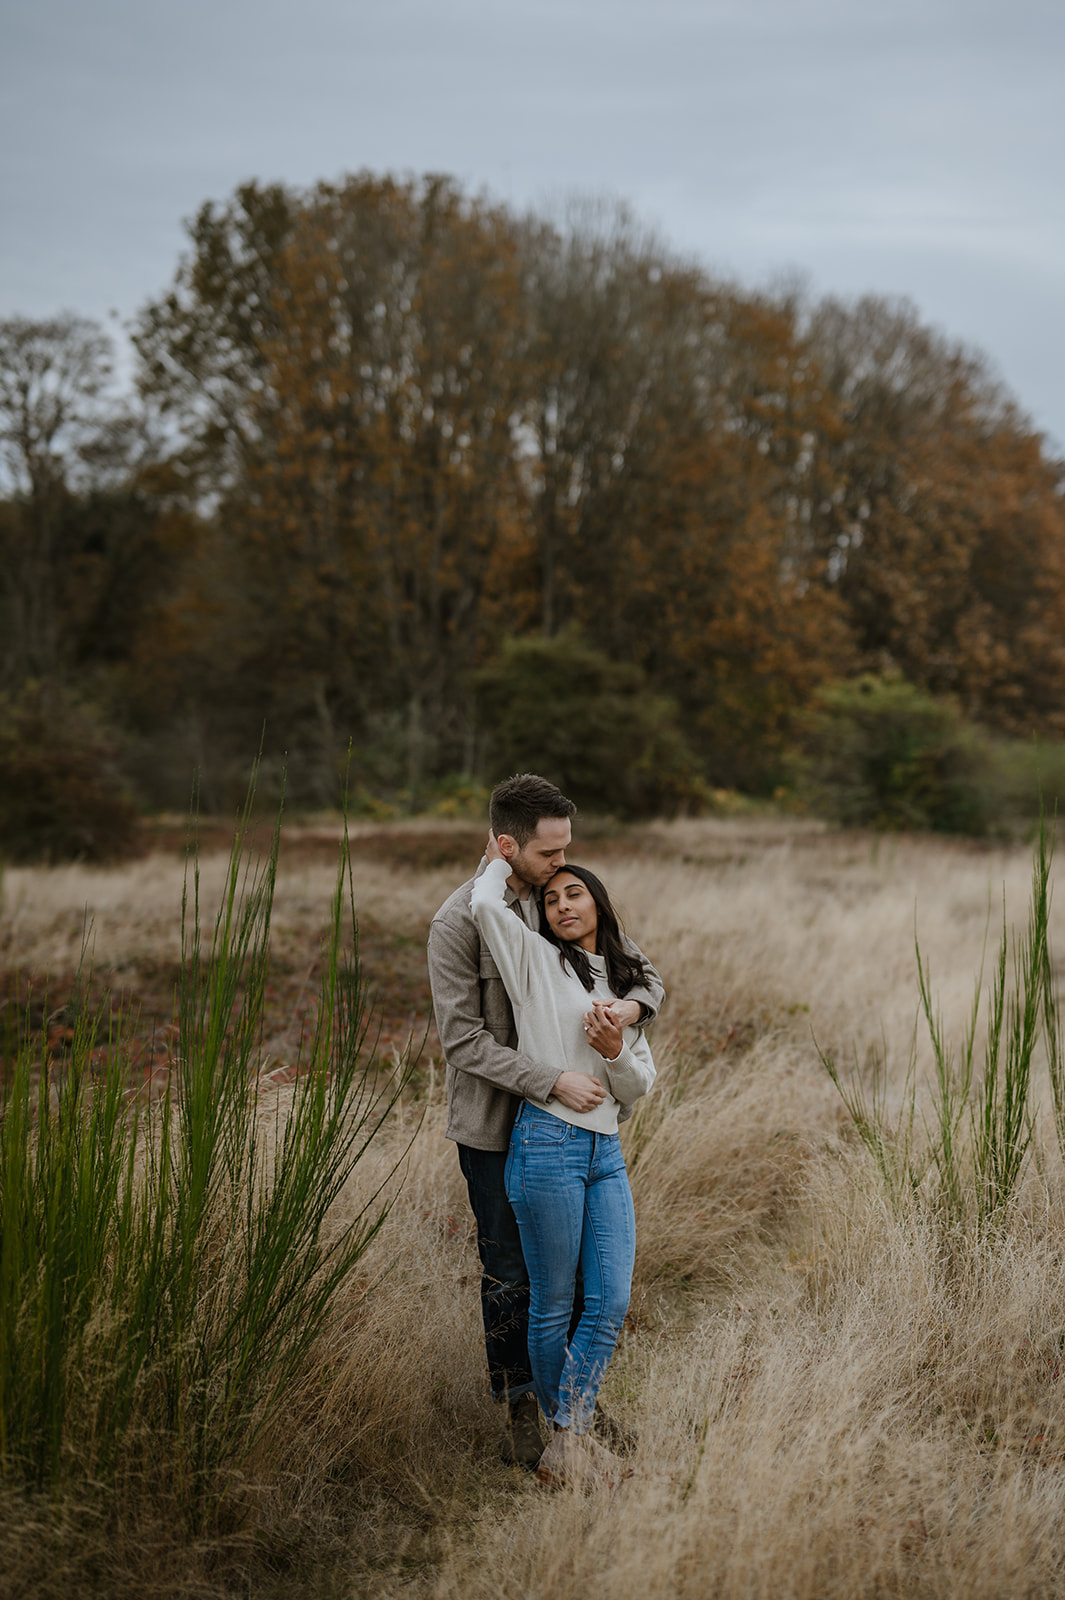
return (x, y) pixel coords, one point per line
(578, 1091)
(626, 1013)
(602, 1032)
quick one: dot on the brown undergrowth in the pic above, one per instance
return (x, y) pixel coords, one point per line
(830, 1403)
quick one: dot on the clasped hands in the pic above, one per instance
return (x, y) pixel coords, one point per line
(603, 1026)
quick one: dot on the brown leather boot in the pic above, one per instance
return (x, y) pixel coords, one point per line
(522, 1446)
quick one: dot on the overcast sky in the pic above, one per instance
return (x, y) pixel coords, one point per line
(911, 147)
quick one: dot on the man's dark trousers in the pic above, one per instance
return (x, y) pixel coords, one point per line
(504, 1278)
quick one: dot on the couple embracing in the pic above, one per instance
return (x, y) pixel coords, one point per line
(540, 1003)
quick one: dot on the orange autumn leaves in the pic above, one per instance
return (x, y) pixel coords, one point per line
(427, 424)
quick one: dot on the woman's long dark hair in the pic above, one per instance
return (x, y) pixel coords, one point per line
(623, 971)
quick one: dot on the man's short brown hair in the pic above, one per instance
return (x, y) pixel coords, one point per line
(518, 804)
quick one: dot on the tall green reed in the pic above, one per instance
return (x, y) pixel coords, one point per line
(165, 1271)
(66, 1173)
(979, 1136)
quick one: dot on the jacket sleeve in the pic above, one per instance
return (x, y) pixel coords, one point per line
(652, 991)
(454, 977)
(632, 1073)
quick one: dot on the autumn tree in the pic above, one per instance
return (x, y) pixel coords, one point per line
(597, 378)
(413, 424)
(369, 486)
(670, 464)
(201, 343)
(53, 421)
(85, 549)
(947, 528)
(729, 599)
(433, 424)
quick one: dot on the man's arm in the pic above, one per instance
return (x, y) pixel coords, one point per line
(647, 996)
(454, 977)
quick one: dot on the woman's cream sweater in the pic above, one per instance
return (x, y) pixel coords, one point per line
(550, 1003)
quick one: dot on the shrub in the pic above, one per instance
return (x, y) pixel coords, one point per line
(62, 798)
(881, 753)
(591, 725)
(1030, 777)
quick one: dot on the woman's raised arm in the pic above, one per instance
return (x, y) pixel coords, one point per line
(507, 935)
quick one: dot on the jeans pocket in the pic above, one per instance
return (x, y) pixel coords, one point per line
(541, 1127)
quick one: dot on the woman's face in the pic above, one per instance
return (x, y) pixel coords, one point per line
(571, 912)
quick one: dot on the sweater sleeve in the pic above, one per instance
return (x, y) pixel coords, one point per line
(514, 946)
(469, 1048)
(631, 1074)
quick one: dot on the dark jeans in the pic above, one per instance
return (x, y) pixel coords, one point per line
(504, 1279)
(504, 1276)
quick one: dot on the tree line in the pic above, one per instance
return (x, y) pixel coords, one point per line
(398, 459)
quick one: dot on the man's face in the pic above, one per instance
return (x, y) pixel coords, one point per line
(540, 858)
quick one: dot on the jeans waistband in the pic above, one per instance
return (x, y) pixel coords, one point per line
(527, 1112)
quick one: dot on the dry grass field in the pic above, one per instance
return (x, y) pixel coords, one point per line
(833, 1402)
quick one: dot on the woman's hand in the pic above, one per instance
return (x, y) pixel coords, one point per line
(492, 850)
(602, 1032)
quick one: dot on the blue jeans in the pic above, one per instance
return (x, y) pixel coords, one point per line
(504, 1276)
(570, 1193)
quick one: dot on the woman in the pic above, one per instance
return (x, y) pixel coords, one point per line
(565, 1173)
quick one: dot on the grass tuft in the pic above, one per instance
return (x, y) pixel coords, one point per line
(980, 1138)
(165, 1270)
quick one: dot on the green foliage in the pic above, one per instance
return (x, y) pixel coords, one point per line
(164, 1273)
(882, 753)
(1028, 778)
(591, 725)
(981, 1132)
(62, 798)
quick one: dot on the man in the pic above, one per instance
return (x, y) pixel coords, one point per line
(487, 1078)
